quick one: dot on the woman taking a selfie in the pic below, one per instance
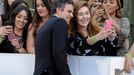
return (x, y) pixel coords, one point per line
(120, 23)
(19, 21)
(86, 39)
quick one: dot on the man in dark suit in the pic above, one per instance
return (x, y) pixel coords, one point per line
(51, 41)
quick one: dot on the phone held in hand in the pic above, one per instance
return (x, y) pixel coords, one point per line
(108, 24)
(11, 35)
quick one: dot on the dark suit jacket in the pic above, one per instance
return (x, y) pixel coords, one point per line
(51, 48)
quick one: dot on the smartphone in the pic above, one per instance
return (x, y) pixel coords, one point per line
(108, 24)
(11, 35)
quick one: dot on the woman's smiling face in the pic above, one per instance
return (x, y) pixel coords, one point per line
(21, 19)
(83, 16)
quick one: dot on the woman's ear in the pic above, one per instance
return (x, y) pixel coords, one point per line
(58, 10)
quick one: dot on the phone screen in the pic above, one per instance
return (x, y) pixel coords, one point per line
(108, 24)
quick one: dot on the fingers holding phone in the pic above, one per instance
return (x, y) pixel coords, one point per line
(5, 30)
(113, 34)
(12, 38)
(109, 26)
(103, 34)
(8, 30)
(11, 35)
(99, 12)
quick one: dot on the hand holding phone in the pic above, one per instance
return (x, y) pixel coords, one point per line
(108, 24)
(11, 35)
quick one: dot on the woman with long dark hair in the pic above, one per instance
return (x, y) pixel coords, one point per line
(15, 42)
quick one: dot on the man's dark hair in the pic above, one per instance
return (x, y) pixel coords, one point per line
(60, 4)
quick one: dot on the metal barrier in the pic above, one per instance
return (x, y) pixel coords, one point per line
(23, 64)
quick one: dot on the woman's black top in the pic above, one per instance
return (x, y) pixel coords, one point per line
(79, 46)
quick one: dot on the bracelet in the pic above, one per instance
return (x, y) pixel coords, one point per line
(93, 39)
(18, 47)
(129, 55)
(19, 50)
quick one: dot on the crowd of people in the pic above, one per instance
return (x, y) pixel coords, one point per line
(61, 27)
